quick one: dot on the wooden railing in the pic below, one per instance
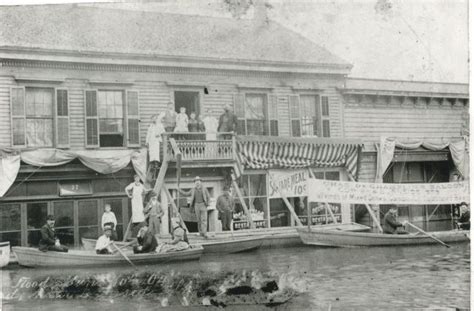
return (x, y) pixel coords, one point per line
(194, 146)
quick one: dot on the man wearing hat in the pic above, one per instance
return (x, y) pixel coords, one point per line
(147, 242)
(225, 206)
(390, 223)
(102, 246)
(49, 241)
(227, 122)
(199, 201)
(154, 213)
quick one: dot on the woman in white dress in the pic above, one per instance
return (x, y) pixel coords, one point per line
(153, 139)
(210, 123)
(135, 191)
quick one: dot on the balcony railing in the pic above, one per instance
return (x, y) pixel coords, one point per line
(194, 146)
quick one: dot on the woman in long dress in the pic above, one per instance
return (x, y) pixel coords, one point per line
(153, 138)
(135, 191)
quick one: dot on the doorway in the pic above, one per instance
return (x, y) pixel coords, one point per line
(189, 100)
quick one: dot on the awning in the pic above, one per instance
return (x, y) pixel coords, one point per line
(277, 152)
(101, 161)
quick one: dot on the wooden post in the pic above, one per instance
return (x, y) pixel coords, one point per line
(291, 209)
(330, 212)
(371, 212)
(175, 208)
(308, 207)
(242, 201)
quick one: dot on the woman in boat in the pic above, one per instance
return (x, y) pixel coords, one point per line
(147, 242)
(464, 222)
(49, 241)
(179, 237)
(391, 225)
(102, 246)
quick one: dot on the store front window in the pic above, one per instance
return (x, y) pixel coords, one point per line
(36, 214)
(64, 214)
(10, 223)
(88, 219)
(254, 191)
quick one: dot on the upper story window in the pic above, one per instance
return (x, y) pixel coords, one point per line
(112, 118)
(39, 117)
(309, 115)
(257, 114)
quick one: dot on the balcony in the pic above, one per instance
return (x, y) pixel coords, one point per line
(195, 150)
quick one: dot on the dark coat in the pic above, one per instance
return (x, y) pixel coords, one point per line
(465, 221)
(225, 202)
(148, 242)
(48, 237)
(192, 192)
(227, 122)
(390, 223)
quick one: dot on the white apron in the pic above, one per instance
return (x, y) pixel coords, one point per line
(137, 202)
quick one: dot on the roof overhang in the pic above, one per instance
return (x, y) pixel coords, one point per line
(130, 59)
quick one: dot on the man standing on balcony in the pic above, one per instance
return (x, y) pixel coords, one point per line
(199, 202)
(227, 122)
(169, 119)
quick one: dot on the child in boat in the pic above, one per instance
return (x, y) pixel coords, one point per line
(154, 213)
(102, 246)
(109, 219)
(147, 242)
(179, 237)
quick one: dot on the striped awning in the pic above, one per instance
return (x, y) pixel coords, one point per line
(276, 152)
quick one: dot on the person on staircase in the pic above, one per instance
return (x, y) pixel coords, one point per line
(153, 143)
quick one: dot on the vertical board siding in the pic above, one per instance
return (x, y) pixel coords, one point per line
(370, 121)
(5, 123)
(368, 167)
(76, 112)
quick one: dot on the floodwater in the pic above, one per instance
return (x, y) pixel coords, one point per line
(321, 278)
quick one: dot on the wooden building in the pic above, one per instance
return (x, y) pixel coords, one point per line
(77, 92)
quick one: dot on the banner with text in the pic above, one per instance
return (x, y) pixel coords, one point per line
(378, 193)
(288, 183)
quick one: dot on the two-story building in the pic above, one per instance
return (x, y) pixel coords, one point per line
(77, 92)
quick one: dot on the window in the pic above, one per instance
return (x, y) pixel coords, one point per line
(254, 191)
(315, 120)
(255, 116)
(37, 116)
(112, 118)
(10, 223)
(295, 116)
(36, 214)
(319, 210)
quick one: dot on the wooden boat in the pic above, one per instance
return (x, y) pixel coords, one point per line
(4, 253)
(351, 239)
(212, 245)
(32, 257)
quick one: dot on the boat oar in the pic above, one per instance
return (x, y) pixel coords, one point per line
(124, 256)
(426, 233)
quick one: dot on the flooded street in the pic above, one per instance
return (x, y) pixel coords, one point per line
(361, 278)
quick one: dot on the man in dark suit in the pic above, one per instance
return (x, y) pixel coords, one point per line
(199, 201)
(48, 241)
(147, 242)
(464, 221)
(390, 223)
(227, 123)
(225, 206)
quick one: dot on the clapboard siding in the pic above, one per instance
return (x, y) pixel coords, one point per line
(219, 96)
(5, 124)
(372, 122)
(368, 167)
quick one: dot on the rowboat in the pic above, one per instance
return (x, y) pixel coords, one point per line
(212, 245)
(4, 253)
(351, 239)
(32, 257)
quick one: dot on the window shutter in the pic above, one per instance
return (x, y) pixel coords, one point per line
(317, 117)
(239, 110)
(18, 116)
(294, 102)
(62, 118)
(133, 119)
(92, 119)
(325, 116)
(273, 115)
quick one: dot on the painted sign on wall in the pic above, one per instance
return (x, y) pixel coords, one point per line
(288, 183)
(379, 193)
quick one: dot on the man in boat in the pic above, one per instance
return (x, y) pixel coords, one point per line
(390, 223)
(147, 242)
(225, 206)
(464, 221)
(102, 246)
(179, 238)
(49, 241)
(199, 202)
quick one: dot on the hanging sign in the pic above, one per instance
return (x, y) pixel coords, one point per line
(289, 183)
(379, 193)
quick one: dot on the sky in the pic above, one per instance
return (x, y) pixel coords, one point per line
(419, 40)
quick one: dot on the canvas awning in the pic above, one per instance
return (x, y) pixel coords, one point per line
(101, 161)
(276, 152)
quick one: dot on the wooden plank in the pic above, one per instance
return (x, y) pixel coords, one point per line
(175, 208)
(242, 201)
(292, 211)
(330, 212)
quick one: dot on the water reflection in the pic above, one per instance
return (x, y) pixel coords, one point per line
(363, 278)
